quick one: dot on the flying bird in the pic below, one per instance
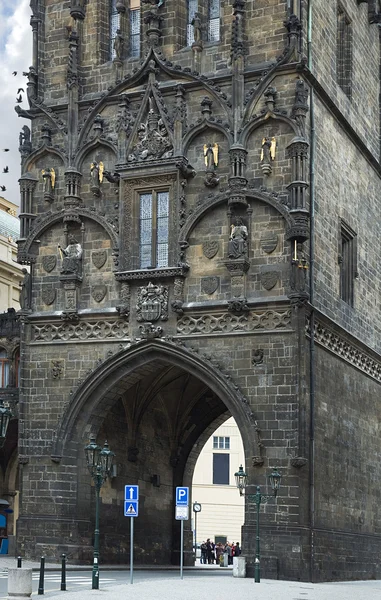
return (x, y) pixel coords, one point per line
(14, 73)
(3, 188)
(6, 170)
(19, 99)
(20, 90)
(5, 149)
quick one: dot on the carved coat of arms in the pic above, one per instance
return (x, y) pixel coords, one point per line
(269, 279)
(49, 262)
(152, 303)
(98, 292)
(269, 241)
(209, 284)
(48, 295)
(99, 258)
(210, 249)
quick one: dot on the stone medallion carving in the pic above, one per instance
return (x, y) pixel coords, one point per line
(210, 249)
(269, 279)
(152, 303)
(48, 295)
(99, 258)
(98, 292)
(269, 241)
(209, 284)
(49, 262)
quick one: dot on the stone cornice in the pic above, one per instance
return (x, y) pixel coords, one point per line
(340, 342)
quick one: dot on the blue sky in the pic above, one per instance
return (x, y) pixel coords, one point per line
(15, 55)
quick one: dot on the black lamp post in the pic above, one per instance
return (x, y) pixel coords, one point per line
(99, 463)
(5, 416)
(258, 499)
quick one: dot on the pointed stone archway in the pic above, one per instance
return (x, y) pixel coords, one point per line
(153, 402)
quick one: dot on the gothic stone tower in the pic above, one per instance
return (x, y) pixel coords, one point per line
(199, 212)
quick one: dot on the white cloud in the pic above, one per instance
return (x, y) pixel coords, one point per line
(15, 55)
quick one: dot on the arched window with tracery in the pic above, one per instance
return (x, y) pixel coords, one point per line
(17, 368)
(134, 15)
(4, 368)
(214, 25)
(192, 9)
(114, 26)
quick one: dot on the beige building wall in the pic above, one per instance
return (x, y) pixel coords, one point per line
(222, 511)
(10, 270)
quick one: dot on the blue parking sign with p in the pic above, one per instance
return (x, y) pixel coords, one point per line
(182, 496)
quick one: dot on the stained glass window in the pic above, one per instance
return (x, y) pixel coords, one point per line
(214, 10)
(154, 217)
(192, 9)
(114, 25)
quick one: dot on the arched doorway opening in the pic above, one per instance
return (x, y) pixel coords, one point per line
(155, 405)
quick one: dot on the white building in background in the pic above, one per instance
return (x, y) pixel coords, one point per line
(10, 270)
(222, 508)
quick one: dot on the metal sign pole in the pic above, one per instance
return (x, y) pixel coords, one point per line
(181, 549)
(132, 551)
(195, 533)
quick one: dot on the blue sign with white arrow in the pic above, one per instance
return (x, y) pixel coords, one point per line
(182, 496)
(131, 493)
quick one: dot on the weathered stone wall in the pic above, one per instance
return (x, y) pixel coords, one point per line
(352, 197)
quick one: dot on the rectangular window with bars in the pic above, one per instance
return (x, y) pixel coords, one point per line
(214, 10)
(348, 262)
(154, 222)
(114, 26)
(134, 28)
(192, 9)
(344, 51)
(221, 442)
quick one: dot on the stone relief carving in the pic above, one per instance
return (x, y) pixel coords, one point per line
(49, 262)
(152, 303)
(48, 295)
(74, 331)
(98, 292)
(178, 294)
(350, 352)
(269, 279)
(209, 284)
(227, 323)
(99, 258)
(268, 241)
(149, 331)
(153, 141)
(257, 356)
(125, 296)
(210, 249)
(57, 369)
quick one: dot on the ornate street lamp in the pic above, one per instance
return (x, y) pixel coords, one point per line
(99, 463)
(258, 499)
(5, 416)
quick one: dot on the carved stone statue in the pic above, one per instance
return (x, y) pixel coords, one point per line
(211, 162)
(119, 45)
(24, 137)
(26, 291)
(237, 246)
(197, 28)
(153, 140)
(96, 176)
(25, 145)
(49, 177)
(72, 257)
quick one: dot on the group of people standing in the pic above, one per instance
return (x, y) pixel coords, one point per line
(212, 553)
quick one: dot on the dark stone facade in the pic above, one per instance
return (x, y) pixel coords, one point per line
(241, 320)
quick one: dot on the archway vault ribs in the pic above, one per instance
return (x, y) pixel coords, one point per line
(128, 361)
